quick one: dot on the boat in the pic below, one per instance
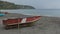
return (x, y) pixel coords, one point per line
(2, 15)
(13, 23)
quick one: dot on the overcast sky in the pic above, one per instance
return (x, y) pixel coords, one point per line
(39, 4)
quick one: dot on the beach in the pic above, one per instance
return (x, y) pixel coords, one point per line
(46, 25)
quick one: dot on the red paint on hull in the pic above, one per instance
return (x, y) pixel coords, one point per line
(18, 20)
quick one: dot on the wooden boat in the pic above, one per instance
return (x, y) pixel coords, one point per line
(18, 22)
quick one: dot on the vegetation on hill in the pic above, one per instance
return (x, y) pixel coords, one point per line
(8, 5)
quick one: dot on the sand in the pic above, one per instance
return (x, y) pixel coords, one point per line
(46, 25)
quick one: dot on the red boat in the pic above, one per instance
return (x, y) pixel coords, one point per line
(18, 22)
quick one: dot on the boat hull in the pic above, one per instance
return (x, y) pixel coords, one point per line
(18, 22)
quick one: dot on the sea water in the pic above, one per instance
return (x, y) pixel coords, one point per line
(41, 12)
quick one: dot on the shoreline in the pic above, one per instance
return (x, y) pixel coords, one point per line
(44, 26)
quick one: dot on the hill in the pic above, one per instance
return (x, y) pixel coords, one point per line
(9, 5)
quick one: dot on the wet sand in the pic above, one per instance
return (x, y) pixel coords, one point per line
(46, 25)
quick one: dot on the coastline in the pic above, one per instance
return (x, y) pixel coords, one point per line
(44, 26)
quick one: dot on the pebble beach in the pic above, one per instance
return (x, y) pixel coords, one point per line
(46, 25)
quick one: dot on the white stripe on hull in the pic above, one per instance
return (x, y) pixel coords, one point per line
(23, 20)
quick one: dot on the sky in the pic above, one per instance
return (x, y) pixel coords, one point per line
(38, 4)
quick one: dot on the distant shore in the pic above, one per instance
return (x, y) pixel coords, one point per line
(9, 5)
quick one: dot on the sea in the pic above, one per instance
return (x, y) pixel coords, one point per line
(40, 12)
